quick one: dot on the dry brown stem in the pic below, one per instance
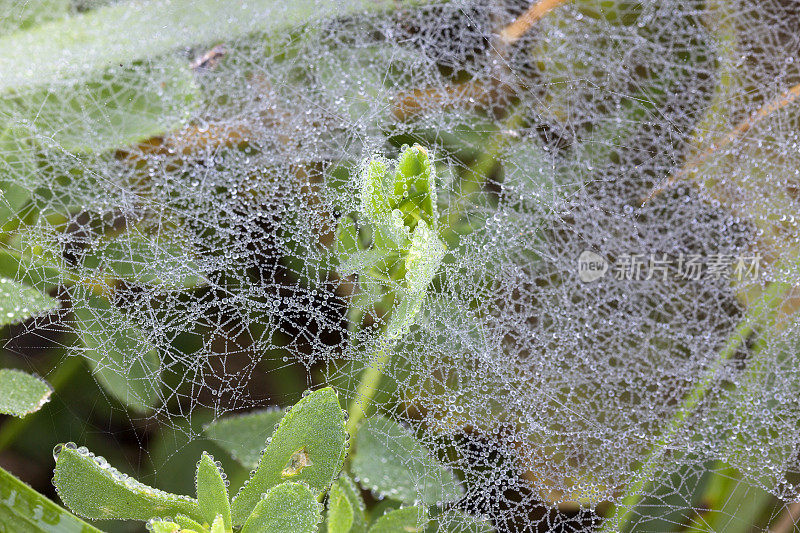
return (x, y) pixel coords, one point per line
(765, 111)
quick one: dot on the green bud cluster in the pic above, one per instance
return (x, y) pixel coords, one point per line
(393, 242)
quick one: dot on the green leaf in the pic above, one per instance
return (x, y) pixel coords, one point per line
(22, 393)
(37, 271)
(391, 462)
(340, 511)
(287, 508)
(218, 526)
(309, 445)
(22, 509)
(17, 168)
(397, 202)
(345, 507)
(347, 245)
(14, 198)
(408, 519)
(423, 259)
(212, 493)
(139, 259)
(422, 262)
(117, 108)
(415, 177)
(91, 488)
(245, 436)
(19, 302)
(187, 523)
(18, 16)
(124, 33)
(165, 526)
(376, 201)
(121, 357)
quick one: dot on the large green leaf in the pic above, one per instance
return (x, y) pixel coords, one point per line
(287, 508)
(16, 170)
(91, 488)
(19, 302)
(309, 445)
(36, 271)
(22, 393)
(408, 519)
(124, 33)
(22, 509)
(117, 108)
(345, 507)
(391, 462)
(212, 492)
(21, 15)
(245, 436)
(121, 357)
(138, 259)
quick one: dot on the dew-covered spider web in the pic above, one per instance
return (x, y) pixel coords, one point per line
(615, 312)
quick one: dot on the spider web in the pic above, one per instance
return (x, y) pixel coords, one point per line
(547, 393)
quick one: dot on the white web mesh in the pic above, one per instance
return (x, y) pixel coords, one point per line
(210, 247)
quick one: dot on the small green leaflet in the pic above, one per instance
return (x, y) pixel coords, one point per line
(287, 508)
(309, 446)
(212, 493)
(408, 519)
(245, 436)
(391, 462)
(22, 393)
(91, 488)
(345, 507)
(18, 302)
(163, 526)
(121, 357)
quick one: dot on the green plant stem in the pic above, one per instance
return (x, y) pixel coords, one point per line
(472, 182)
(758, 315)
(62, 374)
(479, 171)
(366, 390)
